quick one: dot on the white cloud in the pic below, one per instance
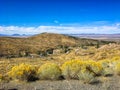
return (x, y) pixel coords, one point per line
(117, 24)
(1, 28)
(102, 29)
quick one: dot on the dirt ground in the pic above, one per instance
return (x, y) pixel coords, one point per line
(112, 83)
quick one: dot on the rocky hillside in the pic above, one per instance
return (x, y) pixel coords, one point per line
(42, 44)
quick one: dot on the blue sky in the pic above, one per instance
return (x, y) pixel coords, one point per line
(59, 16)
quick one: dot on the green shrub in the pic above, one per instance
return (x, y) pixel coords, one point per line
(49, 71)
(94, 67)
(70, 69)
(90, 71)
(86, 76)
(23, 72)
(82, 70)
(108, 67)
(117, 69)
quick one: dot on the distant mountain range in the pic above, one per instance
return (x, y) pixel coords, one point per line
(82, 35)
(14, 35)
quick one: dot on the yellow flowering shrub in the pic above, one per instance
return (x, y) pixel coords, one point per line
(23, 72)
(70, 69)
(82, 70)
(115, 60)
(49, 71)
(94, 67)
(90, 71)
(117, 68)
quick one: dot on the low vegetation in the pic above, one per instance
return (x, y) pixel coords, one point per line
(42, 45)
(86, 71)
(1, 77)
(44, 57)
(82, 70)
(49, 71)
(70, 69)
(117, 69)
(23, 72)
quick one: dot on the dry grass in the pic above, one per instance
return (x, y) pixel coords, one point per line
(75, 54)
(16, 47)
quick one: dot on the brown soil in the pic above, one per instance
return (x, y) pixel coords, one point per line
(111, 83)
